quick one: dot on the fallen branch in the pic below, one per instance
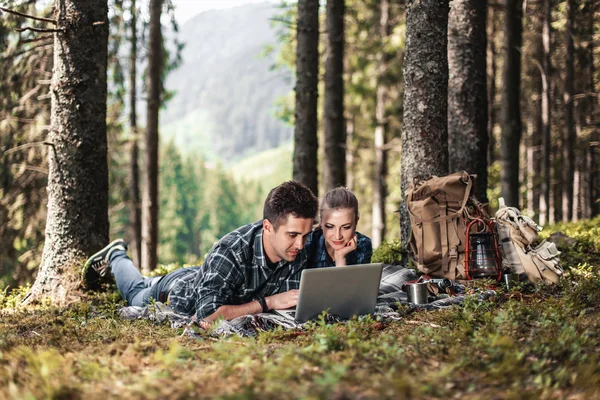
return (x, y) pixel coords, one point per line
(423, 323)
(52, 21)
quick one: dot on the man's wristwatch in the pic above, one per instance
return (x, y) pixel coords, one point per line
(263, 304)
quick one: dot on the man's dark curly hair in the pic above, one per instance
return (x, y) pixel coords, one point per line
(290, 198)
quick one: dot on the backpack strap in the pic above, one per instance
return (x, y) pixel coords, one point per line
(444, 237)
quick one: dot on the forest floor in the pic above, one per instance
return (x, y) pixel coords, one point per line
(526, 343)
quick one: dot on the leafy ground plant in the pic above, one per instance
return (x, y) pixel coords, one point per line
(524, 343)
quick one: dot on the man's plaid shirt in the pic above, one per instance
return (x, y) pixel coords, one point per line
(235, 272)
(319, 258)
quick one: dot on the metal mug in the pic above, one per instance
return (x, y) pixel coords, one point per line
(510, 280)
(417, 293)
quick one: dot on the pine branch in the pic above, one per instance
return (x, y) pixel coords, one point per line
(26, 146)
(6, 10)
(29, 28)
(20, 53)
(37, 39)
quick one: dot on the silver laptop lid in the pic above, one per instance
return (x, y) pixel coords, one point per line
(345, 291)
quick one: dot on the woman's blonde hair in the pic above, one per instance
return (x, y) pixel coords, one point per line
(337, 199)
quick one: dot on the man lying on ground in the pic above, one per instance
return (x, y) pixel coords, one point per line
(255, 268)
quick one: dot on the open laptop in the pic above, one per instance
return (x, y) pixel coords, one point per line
(345, 291)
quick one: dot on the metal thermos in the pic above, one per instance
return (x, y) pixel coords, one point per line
(417, 293)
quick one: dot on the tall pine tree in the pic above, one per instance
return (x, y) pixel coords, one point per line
(77, 222)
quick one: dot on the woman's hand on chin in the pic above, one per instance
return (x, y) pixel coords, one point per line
(340, 255)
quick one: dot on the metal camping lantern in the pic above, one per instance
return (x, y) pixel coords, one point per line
(482, 257)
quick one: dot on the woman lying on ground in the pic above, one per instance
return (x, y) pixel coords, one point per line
(335, 241)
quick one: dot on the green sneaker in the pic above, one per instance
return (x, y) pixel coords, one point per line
(96, 268)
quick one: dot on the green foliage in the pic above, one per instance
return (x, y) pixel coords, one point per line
(13, 298)
(268, 168)
(24, 120)
(582, 244)
(200, 203)
(388, 253)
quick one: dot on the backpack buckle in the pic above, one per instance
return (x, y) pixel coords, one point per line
(453, 253)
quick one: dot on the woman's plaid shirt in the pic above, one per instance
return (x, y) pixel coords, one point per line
(235, 272)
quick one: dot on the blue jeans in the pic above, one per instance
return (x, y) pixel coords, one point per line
(133, 287)
(137, 289)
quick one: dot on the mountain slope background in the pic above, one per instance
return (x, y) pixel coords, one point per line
(226, 88)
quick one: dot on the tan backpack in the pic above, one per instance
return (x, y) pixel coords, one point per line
(440, 209)
(524, 251)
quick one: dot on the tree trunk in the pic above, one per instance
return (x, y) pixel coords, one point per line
(546, 116)
(135, 213)
(307, 79)
(568, 169)
(491, 84)
(379, 180)
(335, 130)
(77, 222)
(425, 125)
(534, 122)
(350, 153)
(150, 210)
(467, 92)
(589, 112)
(511, 110)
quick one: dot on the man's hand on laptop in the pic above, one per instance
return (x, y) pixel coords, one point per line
(284, 300)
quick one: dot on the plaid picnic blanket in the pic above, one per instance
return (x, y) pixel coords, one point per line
(390, 297)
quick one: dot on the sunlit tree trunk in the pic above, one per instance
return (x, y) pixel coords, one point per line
(150, 206)
(467, 93)
(425, 128)
(592, 180)
(546, 116)
(77, 222)
(350, 153)
(135, 214)
(379, 180)
(534, 118)
(511, 111)
(335, 130)
(307, 78)
(568, 169)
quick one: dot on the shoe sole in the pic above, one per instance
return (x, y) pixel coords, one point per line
(101, 254)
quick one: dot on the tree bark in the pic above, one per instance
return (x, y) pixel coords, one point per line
(491, 84)
(425, 125)
(534, 122)
(150, 209)
(135, 213)
(307, 79)
(568, 169)
(77, 222)
(546, 115)
(379, 180)
(335, 130)
(511, 110)
(467, 92)
(593, 171)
